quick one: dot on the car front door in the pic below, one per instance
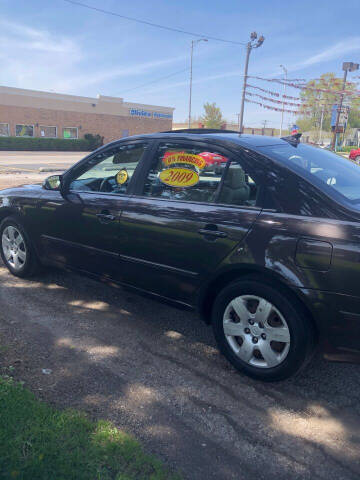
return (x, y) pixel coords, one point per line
(82, 231)
(185, 218)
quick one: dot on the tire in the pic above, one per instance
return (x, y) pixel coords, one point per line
(357, 159)
(15, 243)
(285, 320)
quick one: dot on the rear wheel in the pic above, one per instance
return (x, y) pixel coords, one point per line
(16, 249)
(260, 330)
(357, 159)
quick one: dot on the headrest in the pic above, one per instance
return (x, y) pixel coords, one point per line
(235, 178)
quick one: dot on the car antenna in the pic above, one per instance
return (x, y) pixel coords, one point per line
(293, 139)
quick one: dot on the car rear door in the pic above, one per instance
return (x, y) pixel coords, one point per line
(172, 235)
(82, 231)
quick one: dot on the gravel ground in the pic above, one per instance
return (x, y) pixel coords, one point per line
(156, 372)
(17, 168)
(12, 179)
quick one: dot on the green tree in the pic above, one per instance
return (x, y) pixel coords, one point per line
(212, 117)
(316, 102)
(354, 116)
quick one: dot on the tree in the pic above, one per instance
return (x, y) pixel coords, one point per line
(354, 116)
(212, 117)
(315, 102)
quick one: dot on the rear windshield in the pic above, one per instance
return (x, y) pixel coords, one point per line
(335, 175)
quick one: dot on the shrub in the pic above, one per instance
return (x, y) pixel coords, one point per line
(346, 149)
(95, 141)
(38, 144)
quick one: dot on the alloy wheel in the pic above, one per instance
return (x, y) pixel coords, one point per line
(14, 247)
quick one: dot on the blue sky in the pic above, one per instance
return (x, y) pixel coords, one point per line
(52, 45)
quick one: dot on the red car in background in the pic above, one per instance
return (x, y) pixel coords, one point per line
(213, 160)
(355, 155)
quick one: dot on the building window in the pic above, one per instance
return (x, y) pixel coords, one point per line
(70, 132)
(48, 132)
(4, 129)
(24, 130)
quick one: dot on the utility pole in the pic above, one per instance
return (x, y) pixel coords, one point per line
(321, 122)
(241, 114)
(249, 46)
(284, 93)
(347, 67)
(193, 42)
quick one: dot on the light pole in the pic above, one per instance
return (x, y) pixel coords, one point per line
(347, 67)
(284, 93)
(254, 42)
(193, 42)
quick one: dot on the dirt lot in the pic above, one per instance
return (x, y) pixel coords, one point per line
(155, 371)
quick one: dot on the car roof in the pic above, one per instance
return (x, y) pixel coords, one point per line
(245, 140)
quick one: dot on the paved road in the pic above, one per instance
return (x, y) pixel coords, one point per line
(155, 371)
(32, 161)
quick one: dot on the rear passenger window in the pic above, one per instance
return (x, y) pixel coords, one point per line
(190, 173)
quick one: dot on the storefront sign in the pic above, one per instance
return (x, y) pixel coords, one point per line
(135, 112)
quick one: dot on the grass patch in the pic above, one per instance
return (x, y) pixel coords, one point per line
(40, 442)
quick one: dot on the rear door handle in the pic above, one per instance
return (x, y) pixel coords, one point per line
(212, 233)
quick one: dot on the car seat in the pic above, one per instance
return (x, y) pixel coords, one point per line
(235, 191)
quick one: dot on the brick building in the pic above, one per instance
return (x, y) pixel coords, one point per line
(33, 113)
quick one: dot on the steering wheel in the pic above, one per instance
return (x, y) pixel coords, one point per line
(326, 176)
(107, 184)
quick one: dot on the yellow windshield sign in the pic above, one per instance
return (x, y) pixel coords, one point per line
(121, 177)
(179, 177)
(188, 158)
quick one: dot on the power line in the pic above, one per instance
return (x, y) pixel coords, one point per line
(157, 80)
(144, 22)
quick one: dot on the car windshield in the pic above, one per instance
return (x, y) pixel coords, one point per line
(332, 173)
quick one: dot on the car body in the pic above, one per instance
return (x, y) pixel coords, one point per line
(280, 218)
(355, 155)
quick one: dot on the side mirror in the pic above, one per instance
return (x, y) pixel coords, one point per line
(52, 183)
(56, 183)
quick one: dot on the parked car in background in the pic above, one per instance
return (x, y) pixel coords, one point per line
(267, 252)
(213, 160)
(355, 155)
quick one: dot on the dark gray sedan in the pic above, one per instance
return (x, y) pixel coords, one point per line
(266, 246)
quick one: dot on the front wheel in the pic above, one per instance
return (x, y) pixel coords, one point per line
(16, 249)
(261, 331)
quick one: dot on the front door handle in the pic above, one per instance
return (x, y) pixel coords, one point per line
(213, 233)
(106, 217)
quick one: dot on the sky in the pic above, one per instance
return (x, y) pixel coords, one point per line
(61, 47)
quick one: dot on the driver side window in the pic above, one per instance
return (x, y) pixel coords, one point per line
(109, 171)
